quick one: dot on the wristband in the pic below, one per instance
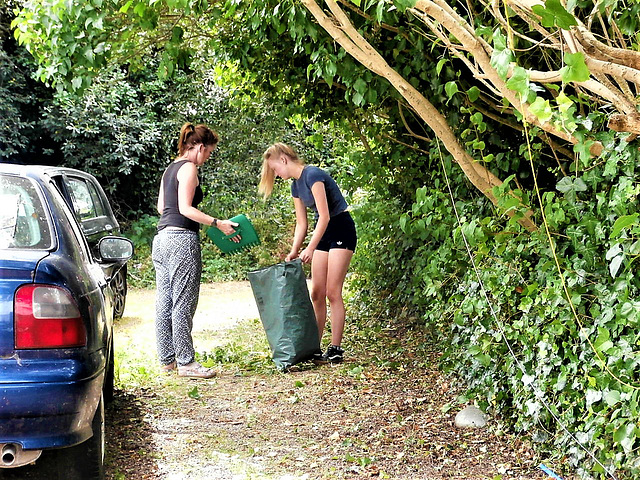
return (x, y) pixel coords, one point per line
(214, 223)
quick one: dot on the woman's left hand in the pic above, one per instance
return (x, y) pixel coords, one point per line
(228, 227)
(307, 254)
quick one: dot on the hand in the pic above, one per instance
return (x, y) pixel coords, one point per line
(307, 255)
(292, 256)
(228, 227)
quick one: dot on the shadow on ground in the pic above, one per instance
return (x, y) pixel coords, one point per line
(129, 446)
(129, 441)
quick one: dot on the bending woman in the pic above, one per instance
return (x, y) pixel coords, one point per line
(332, 243)
(176, 251)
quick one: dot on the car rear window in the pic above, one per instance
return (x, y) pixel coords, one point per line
(23, 220)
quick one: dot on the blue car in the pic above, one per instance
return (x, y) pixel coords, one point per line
(56, 335)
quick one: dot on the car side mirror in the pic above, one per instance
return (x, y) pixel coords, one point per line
(115, 249)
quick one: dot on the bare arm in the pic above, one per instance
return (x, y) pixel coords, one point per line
(301, 229)
(160, 204)
(320, 197)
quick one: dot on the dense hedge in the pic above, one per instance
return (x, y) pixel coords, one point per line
(552, 351)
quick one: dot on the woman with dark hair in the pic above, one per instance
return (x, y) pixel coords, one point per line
(176, 251)
(332, 243)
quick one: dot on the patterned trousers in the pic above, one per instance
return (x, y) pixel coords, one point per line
(178, 265)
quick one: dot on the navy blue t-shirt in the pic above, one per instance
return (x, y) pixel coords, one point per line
(301, 188)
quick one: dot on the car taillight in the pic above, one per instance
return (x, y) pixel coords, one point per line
(46, 316)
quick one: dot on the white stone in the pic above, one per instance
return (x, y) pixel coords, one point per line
(471, 417)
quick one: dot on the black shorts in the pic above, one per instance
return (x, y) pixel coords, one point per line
(340, 233)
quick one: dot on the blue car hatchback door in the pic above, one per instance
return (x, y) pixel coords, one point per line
(56, 335)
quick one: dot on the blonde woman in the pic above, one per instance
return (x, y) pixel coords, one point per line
(332, 242)
(176, 251)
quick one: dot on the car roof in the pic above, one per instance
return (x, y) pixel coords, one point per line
(39, 170)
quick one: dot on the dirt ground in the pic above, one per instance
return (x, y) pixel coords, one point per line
(353, 421)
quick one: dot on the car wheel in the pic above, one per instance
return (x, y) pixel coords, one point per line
(119, 287)
(109, 376)
(86, 460)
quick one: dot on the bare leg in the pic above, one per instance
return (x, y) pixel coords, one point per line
(337, 266)
(319, 265)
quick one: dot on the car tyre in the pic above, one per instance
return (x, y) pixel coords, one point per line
(119, 287)
(86, 460)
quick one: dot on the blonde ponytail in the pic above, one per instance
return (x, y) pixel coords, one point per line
(267, 177)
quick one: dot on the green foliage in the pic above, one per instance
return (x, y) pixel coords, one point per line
(504, 320)
(246, 351)
(22, 138)
(116, 132)
(509, 326)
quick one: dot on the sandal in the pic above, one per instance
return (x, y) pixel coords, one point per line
(169, 367)
(195, 370)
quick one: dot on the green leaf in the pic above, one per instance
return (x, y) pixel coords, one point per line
(126, 6)
(626, 436)
(501, 56)
(568, 185)
(519, 82)
(76, 83)
(360, 86)
(404, 220)
(627, 310)
(575, 69)
(564, 103)
(473, 93)
(500, 60)
(603, 341)
(402, 5)
(140, 9)
(451, 88)
(483, 359)
(623, 222)
(546, 18)
(579, 185)
(177, 35)
(554, 15)
(563, 18)
(592, 396)
(541, 109)
(612, 397)
(615, 264)
(440, 64)
(613, 252)
(380, 11)
(193, 393)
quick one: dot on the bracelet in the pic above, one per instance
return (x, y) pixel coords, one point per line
(214, 223)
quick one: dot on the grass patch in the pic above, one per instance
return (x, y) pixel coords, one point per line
(242, 349)
(246, 351)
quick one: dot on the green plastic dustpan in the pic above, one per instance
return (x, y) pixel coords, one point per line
(248, 235)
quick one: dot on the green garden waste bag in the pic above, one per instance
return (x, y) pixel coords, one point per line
(286, 312)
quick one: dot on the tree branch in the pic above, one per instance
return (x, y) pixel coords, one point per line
(341, 30)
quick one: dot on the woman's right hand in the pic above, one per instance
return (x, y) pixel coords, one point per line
(228, 227)
(292, 256)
